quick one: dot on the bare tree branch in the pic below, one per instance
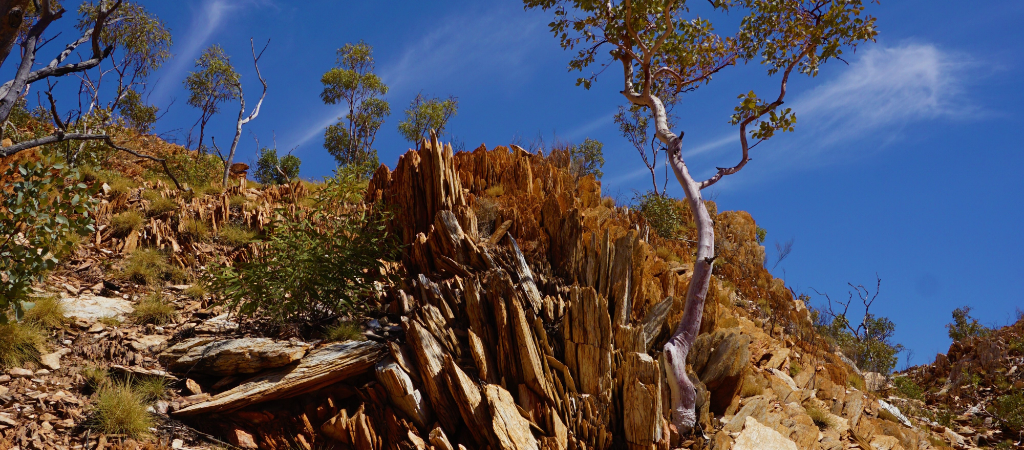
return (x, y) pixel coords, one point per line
(242, 120)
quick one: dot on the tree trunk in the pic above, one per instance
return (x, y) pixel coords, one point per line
(238, 135)
(12, 14)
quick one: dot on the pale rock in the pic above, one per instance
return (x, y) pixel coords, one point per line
(759, 437)
(778, 358)
(193, 387)
(41, 372)
(93, 307)
(880, 442)
(240, 438)
(894, 411)
(954, 438)
(5, 378)
(230, 356)
(756, 407)
(106, 189)
(52, 360)
(177, 444)
(874, 381)
(18, 372)
(96, 328)
(149, 343)
(218, 324)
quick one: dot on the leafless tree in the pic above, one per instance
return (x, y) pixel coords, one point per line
(242, 118)
(783, 251)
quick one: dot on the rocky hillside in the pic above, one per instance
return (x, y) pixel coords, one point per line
(530, 314)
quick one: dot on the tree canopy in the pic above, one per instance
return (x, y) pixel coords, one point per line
(352, 82)
(425, 114)
(212, 83)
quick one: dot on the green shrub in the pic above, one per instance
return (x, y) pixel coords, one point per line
(944, 417)
(821, 418)
(344, 331)
(159, 204)
(194, 230)
(95, 376)
(311, 268)
(235, 235)
(119, 409)
(149, 266)
(20, 343)
(761, 234)
(267, 163)
(871, 348)
(46, 312)
(195, 169)
(794, 368)
(151, 388)
(1017, 344)
(153, 309)
(586, 158)
(664, 215)
(908, 388)
(123, 224)
(964, 326)
(42, 204)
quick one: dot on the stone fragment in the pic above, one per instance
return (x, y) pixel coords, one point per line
(720, 358)
(241, 438)
(149, 343)
(18, 372)
(874, 381)
(230, 356)
(52, 360)
(759, 437)
(93, 307)
(894, 411)
(217, 324)
(885, 443)
(193, 387)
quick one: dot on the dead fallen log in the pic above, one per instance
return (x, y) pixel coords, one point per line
(321, 367)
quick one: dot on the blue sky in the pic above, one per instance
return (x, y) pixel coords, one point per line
(904, 163)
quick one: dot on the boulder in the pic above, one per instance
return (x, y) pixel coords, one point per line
(874, 381)
(759, 437)
(756, 407)
(885, 443)
(719, 359)
(149, 343)
(52, 360)
(93, 307)
(231, 356)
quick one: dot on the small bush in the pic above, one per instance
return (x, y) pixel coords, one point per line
(667, 254)
(194, 168)
(120, 185)
(153, 309)
(663, 214)
(149, 266)
(237, 201)
(111, 321)
(315, 267)
(196, 291)
(124, 223)
(1010, 409)
(821, 418)
(151, 388)
(344, 331)
(964, 326)
(761, 234)
(194, 230)
(212, 188)
(20, 343)
(495, 191)
(1017, 344)
(908, 388)
(267, 163)
(944, 417)
(856, 381)
(95, 376)
(159, 205)
(120, 409)
(235, 235)
(794, 368)
(48, 312)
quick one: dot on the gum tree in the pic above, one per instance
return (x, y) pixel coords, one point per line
(425, 114)
(352, 83)
(667, 48)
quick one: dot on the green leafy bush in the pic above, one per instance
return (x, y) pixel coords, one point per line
(312, 267)
(195, 169)
(663, 214)
(964, 326)
(43, 204)
(871, 348)
(908, 388)
(267, 163)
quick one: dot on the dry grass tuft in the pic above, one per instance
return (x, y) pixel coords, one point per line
(124, 223)
(149, 266)
(235, 235)
(120, 409)
(20, 343)
(821, 418)
(153, 309)
(48, 312)
(194, 230)
(344, 331)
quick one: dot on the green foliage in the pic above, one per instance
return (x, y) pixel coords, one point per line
(122, 224)
(158, 204)
(821, 418)
(586, 158)
(153, 309)
(869, 345)
(195, 169)
(194, 230)
(151, 388)
(118, 408)
(196, 291)
(761, 235)
(425, 114)
(136, 113)
(945, 417)
(142, 40)
(353, 83)
(235, 235)
(95, 376)
(149, 266)
(267, 164)
(664, 215)
(964, 326)
(44, 204)
(908, 388)
(794, 368)
(313, 267)
(344, 331)
(346, 186)
(213, 82)
(46, 312)
(19, 343)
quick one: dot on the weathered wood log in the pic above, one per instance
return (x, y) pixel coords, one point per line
(403, 393)
(321, 367)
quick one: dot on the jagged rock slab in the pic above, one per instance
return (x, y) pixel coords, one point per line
(759, 437)
(230, 356)
(320, 368)
(93, 307)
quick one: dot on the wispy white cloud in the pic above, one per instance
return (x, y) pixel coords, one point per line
(205, 21)
(490, 44)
